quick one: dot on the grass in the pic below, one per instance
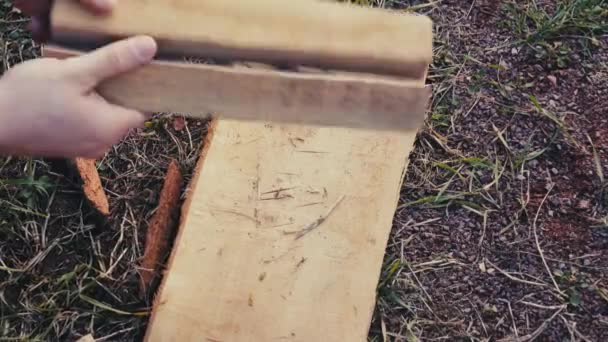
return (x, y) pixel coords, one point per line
(570, 18)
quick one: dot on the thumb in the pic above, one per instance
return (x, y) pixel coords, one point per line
(113, 59)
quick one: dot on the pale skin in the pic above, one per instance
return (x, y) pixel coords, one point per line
(49, 108)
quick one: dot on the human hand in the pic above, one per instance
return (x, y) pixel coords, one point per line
(40, 10)
(49, 107)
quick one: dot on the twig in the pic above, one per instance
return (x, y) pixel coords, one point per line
(46, 220)
(420, 284)
(540, 306)
(515, 278)
(316, 223)
(540, 251)
(536, 332)
(512, 317)
(573, 331)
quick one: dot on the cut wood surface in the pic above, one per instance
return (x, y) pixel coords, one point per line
(162, 226)
(308, 32)
(266, 95)
(284, 235)
(86, 338)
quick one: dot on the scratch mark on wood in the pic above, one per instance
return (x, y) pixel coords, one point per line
(309, 204)
(234, 212)
(312, 151)
(316, 223)
(278, 190)
(300, 263)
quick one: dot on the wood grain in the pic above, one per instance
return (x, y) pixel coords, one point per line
(254, 262)
(266, 95)
(309, 32)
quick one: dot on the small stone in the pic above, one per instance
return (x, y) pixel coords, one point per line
(533, 163)
(553, 80)
(554, 171)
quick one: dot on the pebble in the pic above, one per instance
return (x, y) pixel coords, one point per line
(533, 163)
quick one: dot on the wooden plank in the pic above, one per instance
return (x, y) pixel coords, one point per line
(86, 338)
(309, 32)
(266, 95)
(254, 262)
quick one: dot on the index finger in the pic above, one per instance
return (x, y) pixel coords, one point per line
(33, 7)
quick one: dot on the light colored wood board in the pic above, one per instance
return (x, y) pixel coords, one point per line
(240, 273)
(267, 95)
(309, 32)
(86, 338)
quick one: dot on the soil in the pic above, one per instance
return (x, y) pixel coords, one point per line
(502, 228)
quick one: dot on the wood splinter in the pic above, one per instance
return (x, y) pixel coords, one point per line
(91, 185)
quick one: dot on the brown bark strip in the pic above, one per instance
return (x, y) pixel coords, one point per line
(161, 226)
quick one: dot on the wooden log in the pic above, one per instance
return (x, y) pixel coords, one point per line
(323, 34)
(257, 94)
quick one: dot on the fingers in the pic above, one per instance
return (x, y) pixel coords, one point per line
(40, 10)
(43, 7)
(33, 7)
(112, 60)
(99, 6)
(115, 122)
